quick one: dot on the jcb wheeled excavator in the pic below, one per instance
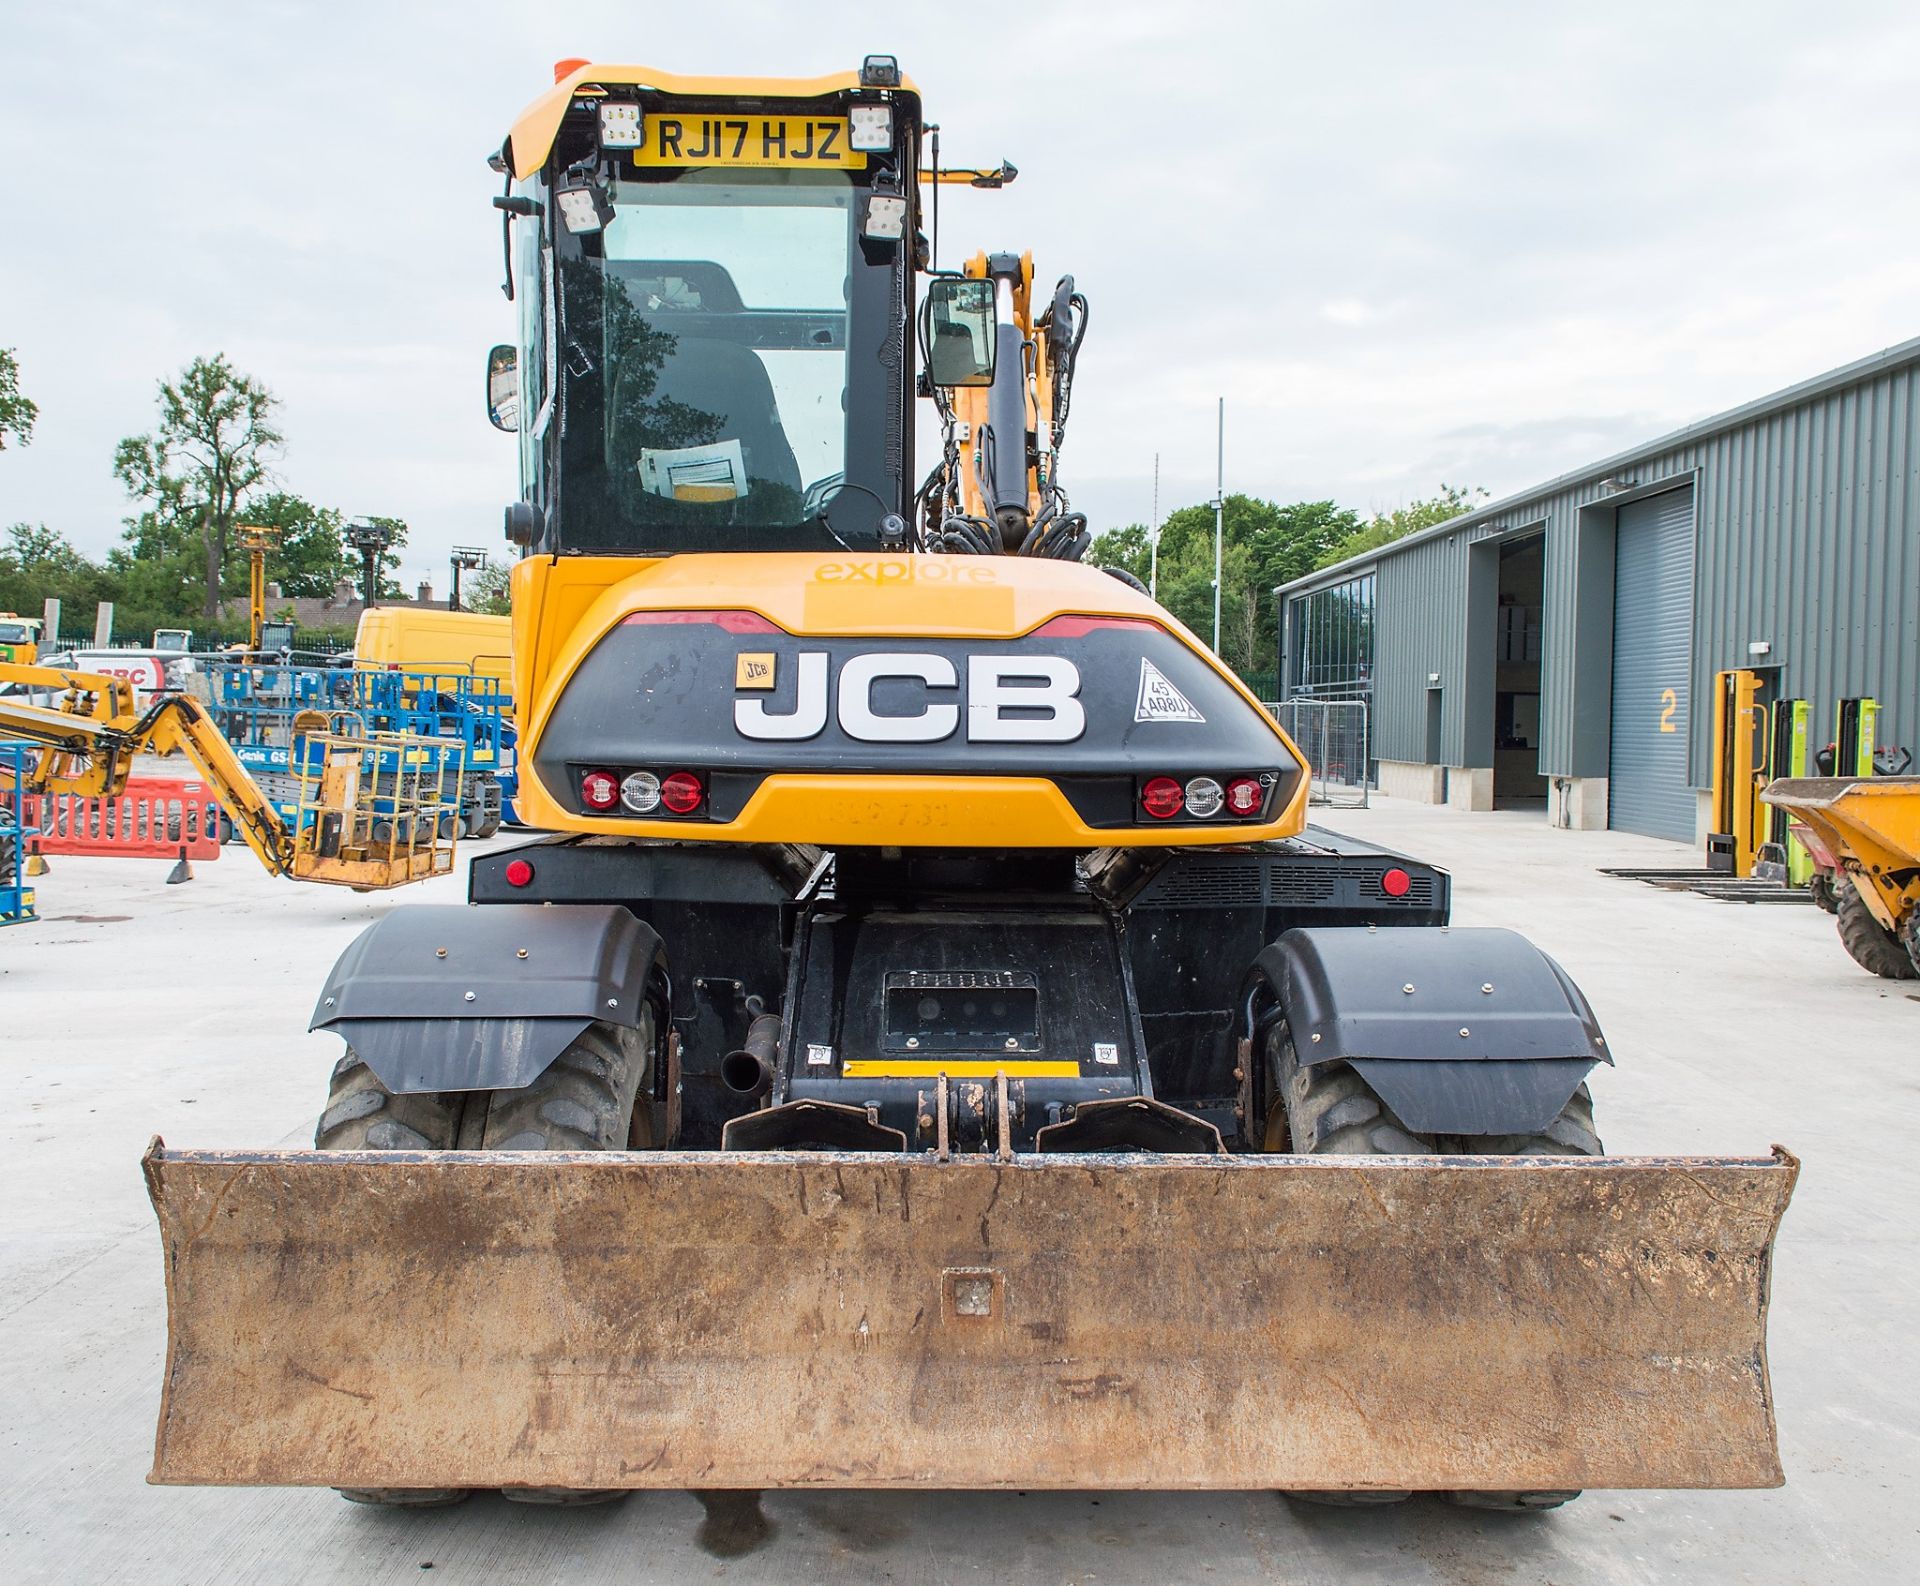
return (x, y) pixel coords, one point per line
(932, 1050)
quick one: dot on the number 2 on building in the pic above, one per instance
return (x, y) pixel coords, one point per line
(1670, 702)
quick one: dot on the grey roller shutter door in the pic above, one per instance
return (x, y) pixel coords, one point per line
(1647, 788)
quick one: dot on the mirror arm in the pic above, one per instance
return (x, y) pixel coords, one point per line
(509, 206)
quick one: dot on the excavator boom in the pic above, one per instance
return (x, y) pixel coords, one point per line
(91, 732)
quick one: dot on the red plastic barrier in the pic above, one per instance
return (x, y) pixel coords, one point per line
(156, 818)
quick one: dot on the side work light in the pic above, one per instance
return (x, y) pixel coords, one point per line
(584, 205)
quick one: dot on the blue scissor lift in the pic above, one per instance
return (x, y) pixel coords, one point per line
(16, 897)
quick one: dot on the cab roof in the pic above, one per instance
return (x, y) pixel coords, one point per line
(532, 137)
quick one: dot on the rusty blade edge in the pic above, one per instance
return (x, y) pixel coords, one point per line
(158, 1154)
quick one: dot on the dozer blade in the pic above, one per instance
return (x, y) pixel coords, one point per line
(761, 1320)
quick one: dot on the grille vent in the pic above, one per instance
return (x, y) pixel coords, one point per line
(1215, 885)
(1304, 884)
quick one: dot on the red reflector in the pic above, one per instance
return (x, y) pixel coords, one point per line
(600, 790)
(1396, 882)
(519, 873)
(1243, 796)
(1079, 627)
(1162, 798)
(729, 621)
(682, 792)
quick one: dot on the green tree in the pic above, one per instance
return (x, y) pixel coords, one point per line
(203, 463)
(1264, 544)
(487, 591)
(16, 412)
(38, 564)
(1386, 527)
(1129, 548)
(309, 560)
(158, 565)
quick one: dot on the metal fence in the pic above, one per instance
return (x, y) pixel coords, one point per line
(1332, 734)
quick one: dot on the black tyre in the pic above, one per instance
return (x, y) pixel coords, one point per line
(587, 1100)
(1821, 889)
(1869, 943)
(590, 1098)
(1329, 1110)
(362, 1115)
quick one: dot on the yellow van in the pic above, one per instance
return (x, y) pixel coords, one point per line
(419, 639)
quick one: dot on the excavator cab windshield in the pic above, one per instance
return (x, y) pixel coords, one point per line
(723, 331)
(714, 351)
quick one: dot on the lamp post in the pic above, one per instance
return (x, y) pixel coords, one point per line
(1219, 519)
(369, 537)
(468, 557)
(1153, 539)
(258, 540)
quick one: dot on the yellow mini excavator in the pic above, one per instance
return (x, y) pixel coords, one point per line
(931, 1049)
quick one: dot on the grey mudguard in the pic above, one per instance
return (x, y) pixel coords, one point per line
(448, 997)
(1460, 1031)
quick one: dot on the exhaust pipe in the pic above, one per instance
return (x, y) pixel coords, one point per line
(749, 1070)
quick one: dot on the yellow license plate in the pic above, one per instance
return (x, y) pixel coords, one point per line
(813, 141)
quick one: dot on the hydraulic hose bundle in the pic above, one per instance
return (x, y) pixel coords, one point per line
(1052, 528)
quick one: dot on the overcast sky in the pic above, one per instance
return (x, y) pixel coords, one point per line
(1407, 243)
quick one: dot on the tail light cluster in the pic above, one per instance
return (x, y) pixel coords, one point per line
(1203, 798)
(643, 792)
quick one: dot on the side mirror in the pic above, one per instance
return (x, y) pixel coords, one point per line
(503, 388)
(962, 328)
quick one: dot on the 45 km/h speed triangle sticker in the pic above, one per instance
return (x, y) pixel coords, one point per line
(1160, 700)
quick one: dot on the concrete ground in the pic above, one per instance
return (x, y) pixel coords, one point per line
(131, 1008)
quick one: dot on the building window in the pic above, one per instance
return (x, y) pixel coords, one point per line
(1332, 641)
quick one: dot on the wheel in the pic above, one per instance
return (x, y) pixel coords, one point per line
(490, 808)
(586, 1100)
(1910, 938)
(1869, 943)
(1821, 889)
(592, 1097)
(1329, 1110)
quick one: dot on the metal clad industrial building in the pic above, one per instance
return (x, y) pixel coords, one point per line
(1492, 673)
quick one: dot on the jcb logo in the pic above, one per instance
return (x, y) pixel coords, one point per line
(1008, 699)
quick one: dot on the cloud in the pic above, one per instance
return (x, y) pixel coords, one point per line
(1479, 243)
